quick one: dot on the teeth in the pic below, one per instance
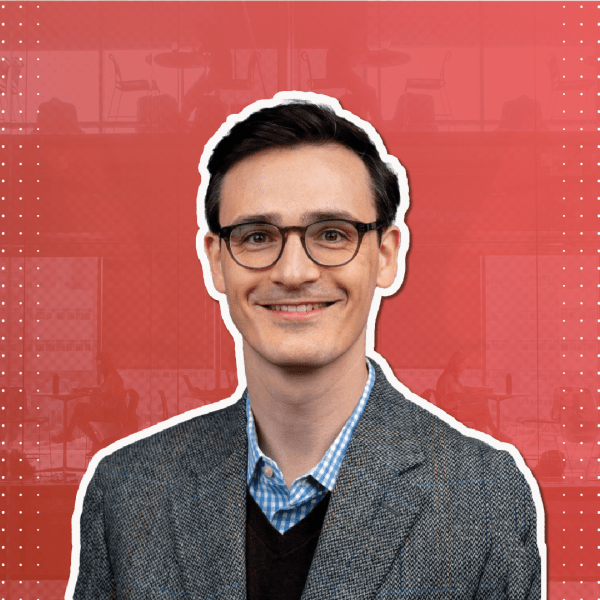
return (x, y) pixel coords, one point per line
(297, 307)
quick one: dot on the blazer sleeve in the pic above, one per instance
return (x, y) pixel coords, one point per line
(513, 566)
(524, 574)
(95, 579)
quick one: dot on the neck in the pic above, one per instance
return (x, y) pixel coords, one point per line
(299, 413)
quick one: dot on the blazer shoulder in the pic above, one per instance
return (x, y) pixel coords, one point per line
(201, 439)
(456, 442)
(438, 436)
(466, 462)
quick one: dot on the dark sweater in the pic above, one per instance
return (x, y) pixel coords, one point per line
(277, 564)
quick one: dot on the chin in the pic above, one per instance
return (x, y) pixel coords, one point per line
(300, 359)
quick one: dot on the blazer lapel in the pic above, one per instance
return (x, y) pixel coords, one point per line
(371, 512)
(208, 511)
(374, 504)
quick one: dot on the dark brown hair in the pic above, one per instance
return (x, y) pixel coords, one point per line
(292, 124)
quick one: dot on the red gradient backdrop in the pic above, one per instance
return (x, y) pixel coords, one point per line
(493, 109)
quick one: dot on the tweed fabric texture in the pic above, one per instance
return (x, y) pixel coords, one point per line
(419, 510)
(285, 507)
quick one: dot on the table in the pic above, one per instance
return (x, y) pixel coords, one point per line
(65, 398)
(379, 58)
(180, 60)
(498, 398)
(210, 396)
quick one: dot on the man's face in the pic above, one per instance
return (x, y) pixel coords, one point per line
(293, 187)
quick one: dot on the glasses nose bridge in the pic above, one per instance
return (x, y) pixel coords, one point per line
(301, 231)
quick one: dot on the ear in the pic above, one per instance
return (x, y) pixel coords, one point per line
(388, 257)
(212, 247)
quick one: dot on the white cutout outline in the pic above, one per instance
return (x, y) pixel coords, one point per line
(396, 166)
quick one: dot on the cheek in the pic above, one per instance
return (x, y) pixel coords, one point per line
(235, 280)
(239, 284)
(362, 283)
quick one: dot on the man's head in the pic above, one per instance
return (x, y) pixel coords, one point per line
(300, 297)
(291, 125)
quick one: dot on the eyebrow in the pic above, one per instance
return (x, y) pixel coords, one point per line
(307, 218)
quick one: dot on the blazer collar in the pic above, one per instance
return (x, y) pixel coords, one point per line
(208, 509)
(369, 517)
(375, 502)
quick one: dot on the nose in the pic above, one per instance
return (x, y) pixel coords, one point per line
(294, 267)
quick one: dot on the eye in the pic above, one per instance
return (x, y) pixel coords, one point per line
(332, 235)
(256, 237)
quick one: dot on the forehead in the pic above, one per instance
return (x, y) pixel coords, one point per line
(290, 184)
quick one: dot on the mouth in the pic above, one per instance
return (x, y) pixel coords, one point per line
(297, 308)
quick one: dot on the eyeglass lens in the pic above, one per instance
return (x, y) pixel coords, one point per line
(329, 243)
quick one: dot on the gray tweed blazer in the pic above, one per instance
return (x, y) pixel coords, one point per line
(419, 511)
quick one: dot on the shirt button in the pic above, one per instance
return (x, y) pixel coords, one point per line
(268, 471)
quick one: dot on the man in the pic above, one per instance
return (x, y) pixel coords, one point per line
(322, 481)
(465, 403)
(108, 405)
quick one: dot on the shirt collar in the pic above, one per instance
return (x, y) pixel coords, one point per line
(328, 468)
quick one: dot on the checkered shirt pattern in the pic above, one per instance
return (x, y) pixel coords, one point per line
(284, 508)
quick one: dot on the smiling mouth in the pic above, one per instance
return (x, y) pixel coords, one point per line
(297, 307)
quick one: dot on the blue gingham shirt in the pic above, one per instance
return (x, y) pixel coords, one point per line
(284, 508)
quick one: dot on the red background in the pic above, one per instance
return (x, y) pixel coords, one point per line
(98, 226)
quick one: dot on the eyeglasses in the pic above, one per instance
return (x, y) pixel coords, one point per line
(330, 243)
